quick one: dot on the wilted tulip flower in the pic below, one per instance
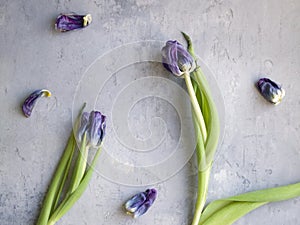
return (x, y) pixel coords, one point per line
(177, 59)
(90, 129)
(271, 91)
(67, 22)
(140, 203)
(93, 124)
(31, 100)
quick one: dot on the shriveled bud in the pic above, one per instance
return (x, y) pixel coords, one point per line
(31, 100)
(67, 22)
(270, 90)
(140, 203)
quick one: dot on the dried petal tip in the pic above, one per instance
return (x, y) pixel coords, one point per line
(177, 59)
(67, 22)
(270, 90)
(140, 203)
(30, 101)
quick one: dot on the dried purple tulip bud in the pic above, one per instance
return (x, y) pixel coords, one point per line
(140, 203)
(177, 59)
(67, 22)
(31, 100)
(270, 90)
(94, 125)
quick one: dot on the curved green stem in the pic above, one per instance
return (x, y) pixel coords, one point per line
(213, 126)
(203, 178)
(68, 202)
(226, 211)
(63, 179)
(214, 123)
(56, 181)
(232, 212)
(80, 166)
(196, 107)
(203, 174)
(207, 128)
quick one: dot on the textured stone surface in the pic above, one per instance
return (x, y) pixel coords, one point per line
(239, 40)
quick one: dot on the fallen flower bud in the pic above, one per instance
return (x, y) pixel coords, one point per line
(271, 91)
(67, 22)
(30, 101)
(140, 203)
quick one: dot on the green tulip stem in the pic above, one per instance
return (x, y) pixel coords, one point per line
(68, 202)
(226, 211)
(205, 111)
(80, 166)
(54, 187)
(64, 178)
(195, 104)
(203, 175)
(203, 180)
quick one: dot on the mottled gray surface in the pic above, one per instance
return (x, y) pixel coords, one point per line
(239, 40)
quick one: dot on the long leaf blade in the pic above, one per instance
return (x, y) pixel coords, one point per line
(67, 204)
(255, 198)
(232, 212)
(55, 184)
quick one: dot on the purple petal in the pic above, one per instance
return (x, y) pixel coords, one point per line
(135, 202)
(102, 129)
(31, 100)
(142, 209)
(67, 22)
(262, 81)
(97, 126)
(184, 57)
(169, 57)
(151, 195)
(94, 127)
(150, 198)
(140, 203)
(270, 90)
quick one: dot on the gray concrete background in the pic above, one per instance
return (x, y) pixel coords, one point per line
(239, 40)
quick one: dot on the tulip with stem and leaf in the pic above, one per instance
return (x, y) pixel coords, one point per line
(89, 133)
(182, 63)
(206, 121)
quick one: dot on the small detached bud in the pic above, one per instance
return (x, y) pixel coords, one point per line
(177, 59)
(140, 203)
(67, 22)
(270, 90)
(31, 100)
